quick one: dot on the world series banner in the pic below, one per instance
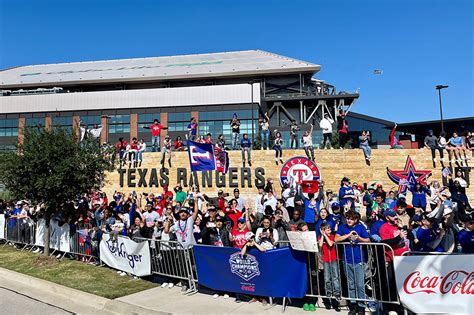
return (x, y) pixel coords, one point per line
(124, 254)
(436, 283)
(276, 273)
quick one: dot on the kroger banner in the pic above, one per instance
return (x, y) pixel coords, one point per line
(276, 273)
(124, 254)
(436, 283)
(2, 226)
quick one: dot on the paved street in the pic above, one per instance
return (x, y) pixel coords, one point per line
(14, 303)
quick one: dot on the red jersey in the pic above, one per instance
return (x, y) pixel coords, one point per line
(208, 140)
(221, 204)
(234, 216)
(239, 238)
(329, 253)
(178, 144)
(156, 129)
(122, 145)
(134, 146)
(388, 231)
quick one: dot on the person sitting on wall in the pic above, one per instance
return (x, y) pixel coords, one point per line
(308, 143)
(364, 144)
(431, 142)
(141, 149)
(121, 149)
(209, 139)
(394, 143)
(133, 153)
(178, 144)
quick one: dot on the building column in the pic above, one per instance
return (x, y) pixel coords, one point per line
(76, 126)
(164, 123)
(48, 122)
(104, 135)
(196, 115)
(133, 126)
(21, 129)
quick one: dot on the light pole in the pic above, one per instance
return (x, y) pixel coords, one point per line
(439, 88)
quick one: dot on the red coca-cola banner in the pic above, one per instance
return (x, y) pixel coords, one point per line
(436, 283)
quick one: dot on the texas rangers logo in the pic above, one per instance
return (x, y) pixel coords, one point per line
(408, 176)
(246, 267)
(298, 169)
(196, 154)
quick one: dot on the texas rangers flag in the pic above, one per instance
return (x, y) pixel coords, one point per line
(201, 156)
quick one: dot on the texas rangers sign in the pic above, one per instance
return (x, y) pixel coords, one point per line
(298, 169)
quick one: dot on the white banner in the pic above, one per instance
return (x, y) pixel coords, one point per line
(64, 238)
(304, 241)
(39, 238)
(2, 226)
(124, 254)
(436, 283)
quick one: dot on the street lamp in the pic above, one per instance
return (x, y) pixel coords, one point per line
(439, 88)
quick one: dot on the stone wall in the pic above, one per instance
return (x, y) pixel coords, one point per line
(333, 165)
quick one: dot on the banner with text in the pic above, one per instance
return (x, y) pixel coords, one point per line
(124, 254)
(2, 226)
(436, 283)
(276, 273)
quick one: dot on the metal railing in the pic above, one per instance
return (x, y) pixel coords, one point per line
(20, 232)
(170, 259)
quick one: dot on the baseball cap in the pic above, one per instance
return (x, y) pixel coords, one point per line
(219, 218)
(390, 213)
(211, 208)
(236, 190)
(220, 192)
(335, 205)
(371, 187)
(183, 210)
(249, 236)
(345, 179)
(417, 218)
(241, 220)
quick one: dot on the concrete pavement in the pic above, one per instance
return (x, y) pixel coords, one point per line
(14, 303)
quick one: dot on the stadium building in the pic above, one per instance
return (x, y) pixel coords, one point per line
(125, 95)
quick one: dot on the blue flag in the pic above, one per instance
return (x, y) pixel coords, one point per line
(278, 272)
(201, 156)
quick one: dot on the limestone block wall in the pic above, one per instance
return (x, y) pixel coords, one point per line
(333, 165)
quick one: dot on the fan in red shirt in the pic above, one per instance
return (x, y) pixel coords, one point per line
(238, 234)
(121, 148)
(393, 235)
(233, 213)
(156, 128)
(167, 194)
(209, 139)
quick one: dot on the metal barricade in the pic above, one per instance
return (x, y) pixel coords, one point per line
(171, 259)
(84, 243)
(20, 232)
(361, 273)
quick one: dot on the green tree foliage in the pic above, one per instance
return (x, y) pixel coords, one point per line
(51, 167)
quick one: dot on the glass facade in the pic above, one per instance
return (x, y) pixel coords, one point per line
(9, 127)
(35, 121)
(91, 120)
(379, 131)
(63, 122)
(119, 124)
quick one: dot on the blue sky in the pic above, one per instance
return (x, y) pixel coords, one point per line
(417, 43)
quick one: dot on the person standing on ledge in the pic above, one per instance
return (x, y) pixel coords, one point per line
(235, 126)
(326, 125)
(156, 128)
(294, 134)
(342, 129)
(246, 146)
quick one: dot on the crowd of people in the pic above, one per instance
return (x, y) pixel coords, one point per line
(457, 147)
(434, 219)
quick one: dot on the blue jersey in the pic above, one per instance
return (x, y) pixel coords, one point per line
(343, 192)
(466, 240)
(354, 254)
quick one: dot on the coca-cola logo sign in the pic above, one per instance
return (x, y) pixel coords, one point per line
(454, 282)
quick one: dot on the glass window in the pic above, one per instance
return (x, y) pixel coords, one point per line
(63, 122)
(119, 124)
(33, 122)
(146, 120)
(9, 127)
(91, 120)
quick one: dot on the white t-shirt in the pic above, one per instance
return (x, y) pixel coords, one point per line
(150, 217)
(307, 141)
(326, 125)
(184, 231)
(264, 126)
(258, 203)
(240, 204)
(142, 147)
(95, 132)
(270, 202)
(265, 242)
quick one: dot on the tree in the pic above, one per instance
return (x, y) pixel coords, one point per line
(51, 167)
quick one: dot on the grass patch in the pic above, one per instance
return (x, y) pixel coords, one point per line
(100, 281)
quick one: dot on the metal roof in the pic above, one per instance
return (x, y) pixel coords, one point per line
(225, 64)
